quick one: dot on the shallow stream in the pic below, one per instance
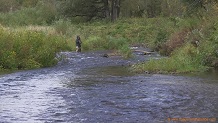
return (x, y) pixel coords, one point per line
(89, 88)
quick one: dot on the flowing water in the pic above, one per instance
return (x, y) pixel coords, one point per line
(89, 88)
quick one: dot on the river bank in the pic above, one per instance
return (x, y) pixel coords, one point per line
(190, 43)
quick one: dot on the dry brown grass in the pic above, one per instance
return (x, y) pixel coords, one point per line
(176, 40)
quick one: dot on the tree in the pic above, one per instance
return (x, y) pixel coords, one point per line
(82, 8)
(138, 8)
(28, 3)
(172, 8)
(90, 9)
(106, 9)
(46, 10)
(196, 6)
(115, 9)
(153, 8)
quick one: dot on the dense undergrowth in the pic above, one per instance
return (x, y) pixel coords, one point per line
(29, 42)
(23, 49)
(192, 48)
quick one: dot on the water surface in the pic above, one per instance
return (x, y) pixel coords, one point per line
(88, 88)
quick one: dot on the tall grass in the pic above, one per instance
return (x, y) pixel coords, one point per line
(42, 14)
(161, 34)
(186, 55)
(183, 60)
(29, 49)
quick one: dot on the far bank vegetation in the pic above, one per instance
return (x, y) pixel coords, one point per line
(33, 31)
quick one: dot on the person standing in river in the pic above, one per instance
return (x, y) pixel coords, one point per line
(78, 44)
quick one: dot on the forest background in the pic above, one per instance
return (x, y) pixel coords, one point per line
(186, 31)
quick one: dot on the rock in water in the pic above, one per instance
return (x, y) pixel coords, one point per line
(105, 55)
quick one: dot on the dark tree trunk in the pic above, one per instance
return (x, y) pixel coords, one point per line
(118, 8)
(115, 9)
(106, 9)
(112, 10)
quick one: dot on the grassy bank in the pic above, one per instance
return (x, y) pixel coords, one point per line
(189, 49)
(123, 33)
(190, 44)
(183, 60)
(25, 49)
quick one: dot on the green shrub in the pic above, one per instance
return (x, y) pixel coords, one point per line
(116, 43)
(93, 43)
(161, 38)
(26, 16)
(31, 64)
(125, 51)
(29, 49)
(8, 59)
(43, 13)
(62, 26)
(184, 59)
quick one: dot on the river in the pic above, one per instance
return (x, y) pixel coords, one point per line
(89, 88)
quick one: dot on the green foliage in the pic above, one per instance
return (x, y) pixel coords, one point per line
(61, 26)
(109, 43)
(47, 11)
(173, 36)
(197, 53)
(198, 7)
(81, 8)
(8, 59)
(125, 51)
(22, 17)
(182, 61)
(120, 44)
(169, 35)
(125, 32)
(28, 3)
(39, 15)
(209, 48)
(116, 43)
(29, 49)
(94, 43)
(8, 5)
(161, 38)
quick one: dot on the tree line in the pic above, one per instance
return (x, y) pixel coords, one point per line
(114, 9)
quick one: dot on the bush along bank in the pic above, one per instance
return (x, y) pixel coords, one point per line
(28, 49)
(193, 49)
